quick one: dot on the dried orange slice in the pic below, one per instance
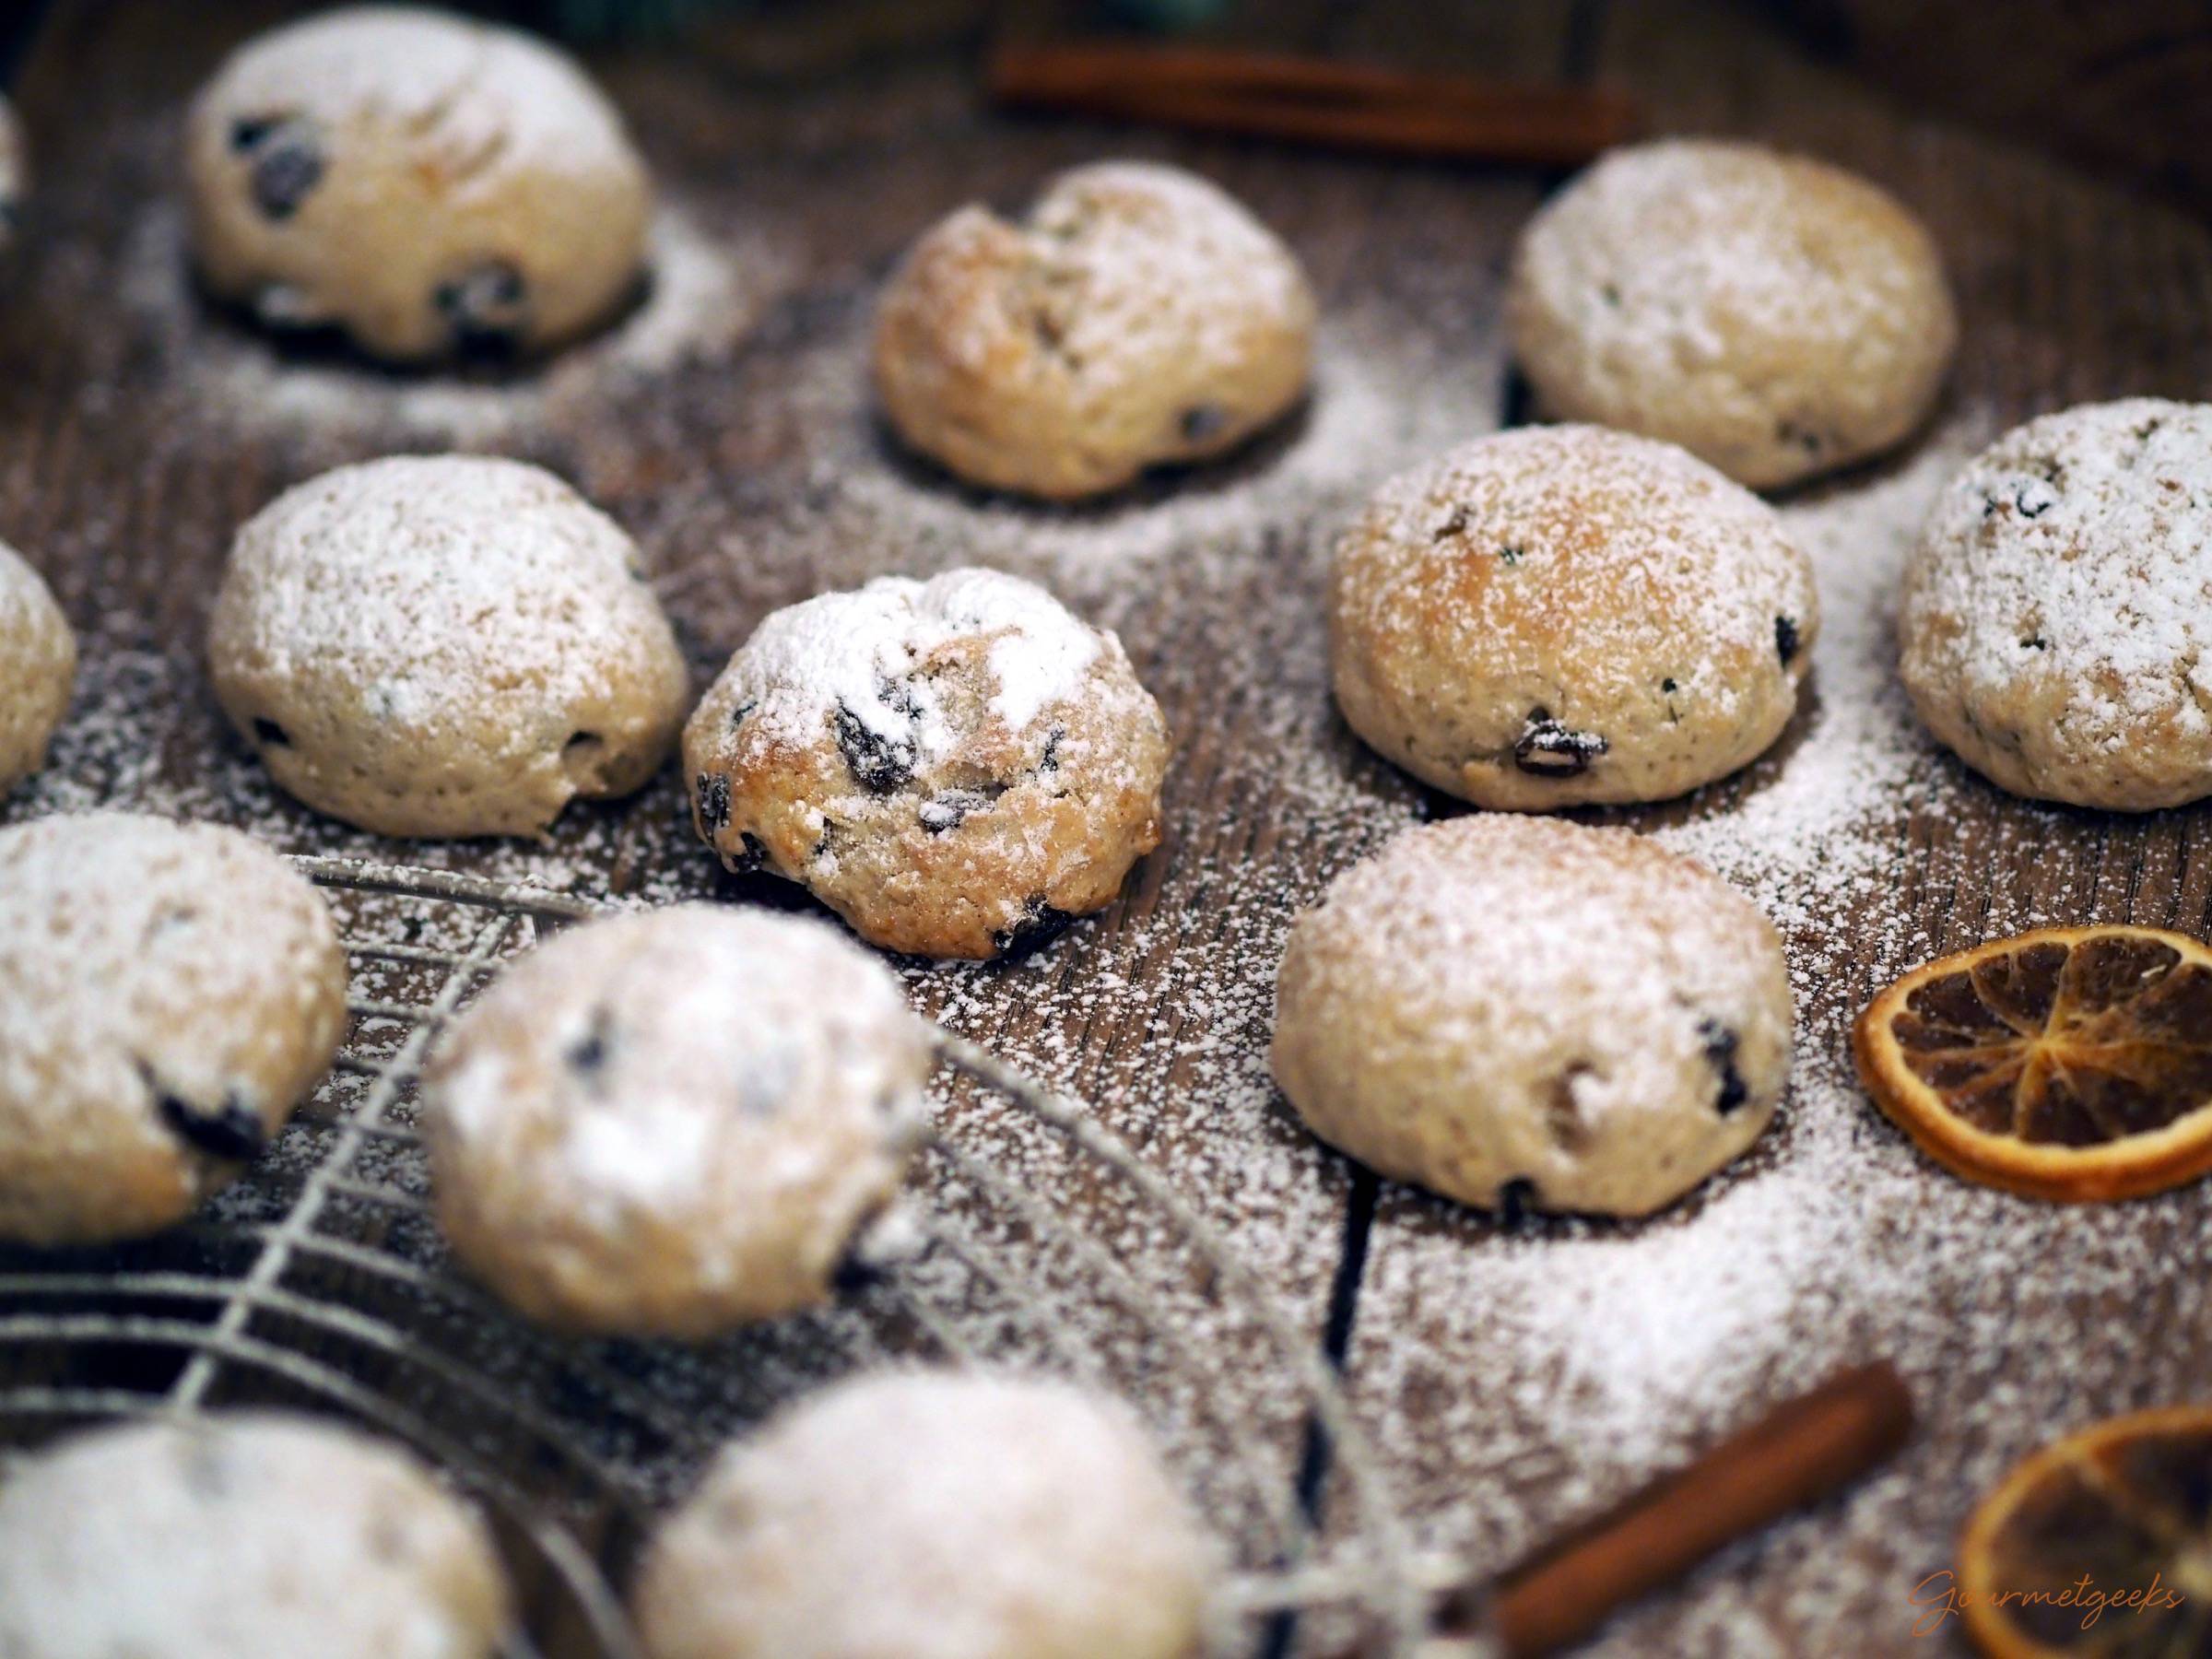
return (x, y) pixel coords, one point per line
(2071, 1062)
(2125, 1505)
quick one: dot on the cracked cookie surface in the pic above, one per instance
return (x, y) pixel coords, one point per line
(1560, 615)
(956, 766)
(168, 994)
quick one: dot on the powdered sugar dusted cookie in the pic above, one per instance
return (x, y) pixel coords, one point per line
(37, 665)
(673, 1122)
(424, 181)
(1528, 1012)
(168, 994)
(444, 645)
(254, 1533)
(932, 1516)
(953, 766)
(1772, 314)
(1138, 315)
(1557, 615)
(2060, 600)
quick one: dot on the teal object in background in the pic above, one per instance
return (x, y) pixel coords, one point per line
(1169, 16)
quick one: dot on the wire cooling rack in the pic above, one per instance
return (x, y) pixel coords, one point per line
(1033, 1237)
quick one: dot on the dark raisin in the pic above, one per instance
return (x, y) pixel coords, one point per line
(714, 804)
(1785, 638)
(1789, 432)
(1515, 1199)
(248, 132)
(269, 733)
(1511, 554)
(2034, 500)
(1452, 525)
(587, 1055)
(752, 858)
(2035, 642)
(1050, 759)
(1611, 294)
(880, 763)
(231, 1131)
(1548, 749)
(1037, 923)
(741, 710)
(487, 308)
(1667, 686)
(945, 812)
(287, 165)
(1202, 423)
(1720, 1042)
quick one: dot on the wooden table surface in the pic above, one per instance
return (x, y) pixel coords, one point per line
(1505, 1377)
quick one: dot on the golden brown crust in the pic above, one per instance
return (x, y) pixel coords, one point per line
(37, 665)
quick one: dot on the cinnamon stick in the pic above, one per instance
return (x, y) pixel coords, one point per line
(1313, 101)
(1804, 1451)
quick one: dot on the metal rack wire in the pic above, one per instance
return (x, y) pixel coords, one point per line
(319, 1281)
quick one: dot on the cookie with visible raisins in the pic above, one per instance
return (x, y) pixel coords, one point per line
(1560, 615)
(38, 667)
(1138, 316)
(168, 994)
(956, 766)
(675, 1123)
(245, 1532)
(1526, 1013)
(427, 184)
(444, 645)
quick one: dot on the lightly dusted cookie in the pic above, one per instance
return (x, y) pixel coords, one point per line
(932, 1515)
(1774, 315)
(168, 994)
(669, 1124)
(1524, 1012)
(444, 645)
(1560, 615)
(956, 766)
(38, 667)
(426, 183)
(2058, 607)
(1138, 315)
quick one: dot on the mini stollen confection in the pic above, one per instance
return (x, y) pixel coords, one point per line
(920, 1515)
(956, 766)
(1774, 315)
(1559, 615)
(2058, 607)
(426, 183)
(1138, 315)
(168, 994)
(38, 667)
(673, 1122)
(444, 645)
(251, 1533)
(1526, 1013)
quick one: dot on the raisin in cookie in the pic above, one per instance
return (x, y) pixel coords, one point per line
(168, 994)
(955, 766)
(1774, 315)
(444, 645)
(670, 1124)
(251, 1533)
(2059, 603)
(424, 181)
(1521, 1011)
(37, 665)
(1558, 615)
(1139, 315)
(918, 1515)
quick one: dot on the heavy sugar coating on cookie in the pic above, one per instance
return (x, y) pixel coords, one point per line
(38, 667)
(444, 645)
(1560, 615)
(937, 1515)
(1524, 1012)
(1775, 315)
(956, 767)
(1138, 315)
(255, 1532)
(673, 1122)
(2060, 600)
(425, 181)
(168, 994)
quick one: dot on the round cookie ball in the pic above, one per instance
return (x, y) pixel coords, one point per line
(919, 1515)
(1771, 314)
(2059, 603)
(1525, 1012)
(424, 181)
(1560, 615)
(956, 766)
(253, 1533)
(168, 994)
(1139, 315)
(444, 645)
(673, 1122)
(37, 665)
